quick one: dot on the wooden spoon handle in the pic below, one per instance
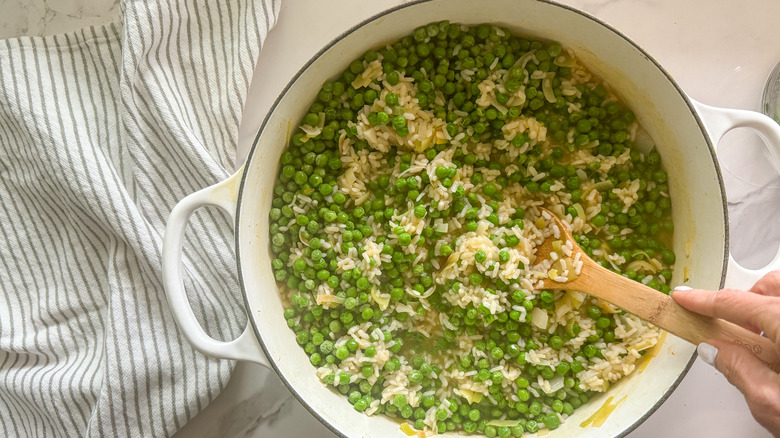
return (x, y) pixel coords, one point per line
(698, 328)
(661, 310)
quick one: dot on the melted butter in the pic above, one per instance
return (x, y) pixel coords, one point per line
(407, 429)
(600, 416)
(652, 353)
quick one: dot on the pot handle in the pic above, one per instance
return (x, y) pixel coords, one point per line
(223, 195)
(718, 122)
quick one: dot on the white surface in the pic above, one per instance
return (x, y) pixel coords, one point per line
(47, 17)
(719, 51)
(720, 55)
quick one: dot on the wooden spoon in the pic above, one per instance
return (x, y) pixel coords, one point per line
(647, 303)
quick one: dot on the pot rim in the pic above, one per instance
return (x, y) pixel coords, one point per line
(413, 3)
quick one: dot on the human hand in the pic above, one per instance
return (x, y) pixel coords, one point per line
(757, 310)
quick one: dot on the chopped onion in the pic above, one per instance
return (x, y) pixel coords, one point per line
(503, 423)
(329, 300)
(577, 298)
(539, 318)
(300, 236)
(562, 306)
(441, 227)
(580, 211)
(643, 141)
(547, 88)
(446, 322)
(313, 131)
(603, 185)
(582, 175)
(564, 266)
(642, 266)
(501, 108)
(525, 58)
(607, 307)
(644, 345)
(556, 383)
(382, 299)
(470, 396)
(564, 60)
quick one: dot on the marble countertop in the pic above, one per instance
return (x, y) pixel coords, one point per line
(48, 17)
(719, 52)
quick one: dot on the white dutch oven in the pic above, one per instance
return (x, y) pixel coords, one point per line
(686, 133)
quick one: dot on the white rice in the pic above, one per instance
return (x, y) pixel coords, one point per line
(520, 271)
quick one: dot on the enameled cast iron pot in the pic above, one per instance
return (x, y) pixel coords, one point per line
(685, 132)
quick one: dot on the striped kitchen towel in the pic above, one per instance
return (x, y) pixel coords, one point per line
(102, 131)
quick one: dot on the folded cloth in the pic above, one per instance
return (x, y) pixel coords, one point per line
(102, 131)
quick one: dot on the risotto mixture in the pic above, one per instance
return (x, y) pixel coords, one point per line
(405, 221)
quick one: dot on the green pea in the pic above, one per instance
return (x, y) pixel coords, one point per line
(360, 405)
(342, 352)
(590, 350)
(556, 342)
(551, 421)
(489, 189)
(392, 78)
(599, 220)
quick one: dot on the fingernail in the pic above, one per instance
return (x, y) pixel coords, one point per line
(679, 288)
(707, 352)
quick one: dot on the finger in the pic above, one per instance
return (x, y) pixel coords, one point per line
(768, 285)
(740, 366)
(753, 329)
(740, 307)
(759, 384)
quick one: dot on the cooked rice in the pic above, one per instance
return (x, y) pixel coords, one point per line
(452, 274)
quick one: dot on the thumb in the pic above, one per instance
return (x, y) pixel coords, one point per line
(757, 382)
